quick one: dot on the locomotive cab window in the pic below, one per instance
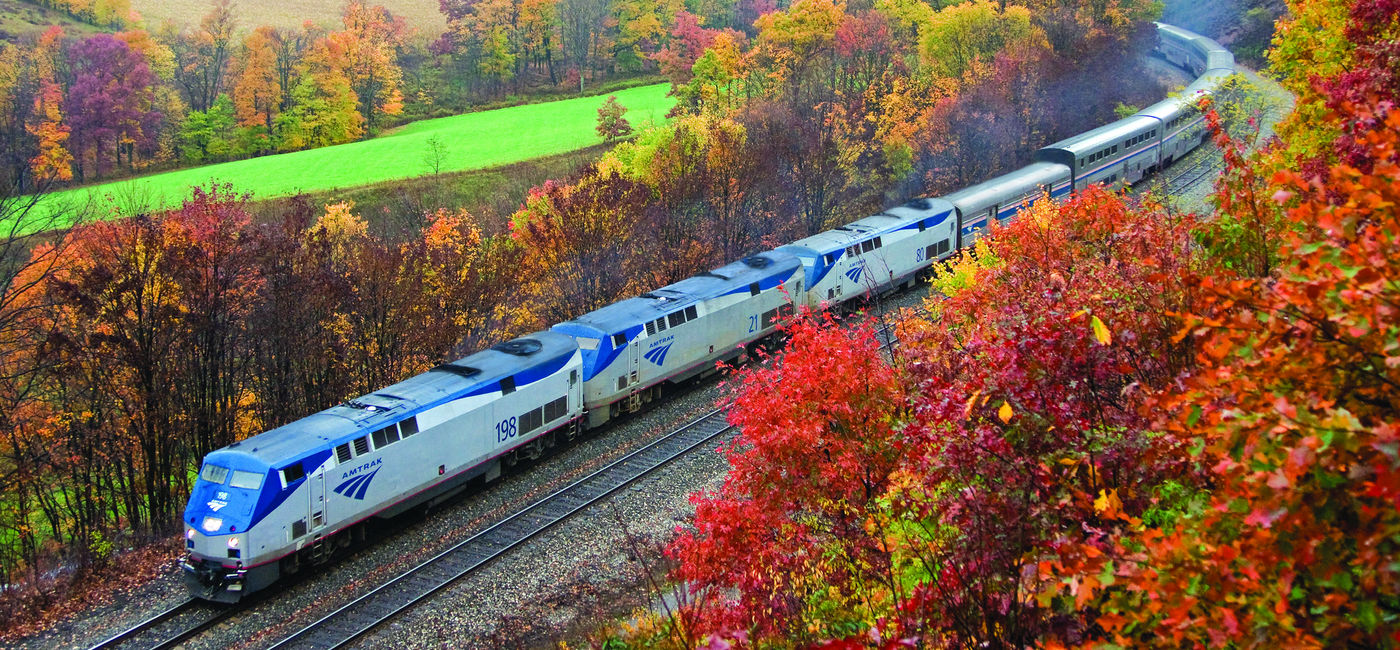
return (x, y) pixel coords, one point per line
(214, 473)
(619, 339)
(408, 427)
(675, 319)
(293, 473)
(753, 289)
(507, 385)
(691, 313)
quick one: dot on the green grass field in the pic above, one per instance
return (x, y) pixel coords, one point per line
(420, 14)
(472, 141)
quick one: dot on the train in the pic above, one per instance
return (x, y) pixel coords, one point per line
(286, 499)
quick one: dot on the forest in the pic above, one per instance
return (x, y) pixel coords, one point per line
(134, 346)
(1117, 425)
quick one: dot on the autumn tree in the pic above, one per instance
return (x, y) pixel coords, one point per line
(109, 104)
(791, 533)
(325, 108)
(960, 37)
(202, 56)
(611, 123)
(258, 93)
(572, 247)
(52, 160)
(365, 53)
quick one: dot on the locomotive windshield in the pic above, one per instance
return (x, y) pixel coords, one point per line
(246, 480)
(214, 473)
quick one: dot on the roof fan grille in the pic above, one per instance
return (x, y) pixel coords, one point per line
(918, 204)
(519, 347)
(757, 261)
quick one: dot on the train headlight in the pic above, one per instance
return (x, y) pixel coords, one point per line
(212, 524)
(233, 542)
(189, 533)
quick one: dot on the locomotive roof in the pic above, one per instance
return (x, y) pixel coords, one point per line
(1009, 185)
(474, 373)
(1106, 135)
(767, 269)
(909, 214)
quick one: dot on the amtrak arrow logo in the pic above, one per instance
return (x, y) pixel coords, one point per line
(658, 355)
(356, 487)
(854, 272)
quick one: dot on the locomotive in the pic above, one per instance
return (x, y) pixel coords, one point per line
(273, 503)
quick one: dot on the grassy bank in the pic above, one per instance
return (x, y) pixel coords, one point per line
(472, 141)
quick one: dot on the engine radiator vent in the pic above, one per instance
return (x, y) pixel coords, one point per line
(460, 371)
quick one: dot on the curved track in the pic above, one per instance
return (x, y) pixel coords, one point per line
(387, 601)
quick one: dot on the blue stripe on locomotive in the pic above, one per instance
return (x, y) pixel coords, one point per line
(595, 361)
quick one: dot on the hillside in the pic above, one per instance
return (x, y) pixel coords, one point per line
(19, 19)
(470, 141)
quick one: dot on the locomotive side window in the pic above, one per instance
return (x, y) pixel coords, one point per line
(214, 473)
(293, 473)
(943, 246)
(507, 385)
(619, 339)
(753, 289)
(408, 427)
(691, 313)
(342, 453)
(878, 243)
(361, 446)
(676, 319)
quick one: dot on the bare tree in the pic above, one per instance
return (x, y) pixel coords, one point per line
(435, 155)
(582, 21)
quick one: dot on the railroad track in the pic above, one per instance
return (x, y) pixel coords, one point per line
(420, 583)
(172, 626)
